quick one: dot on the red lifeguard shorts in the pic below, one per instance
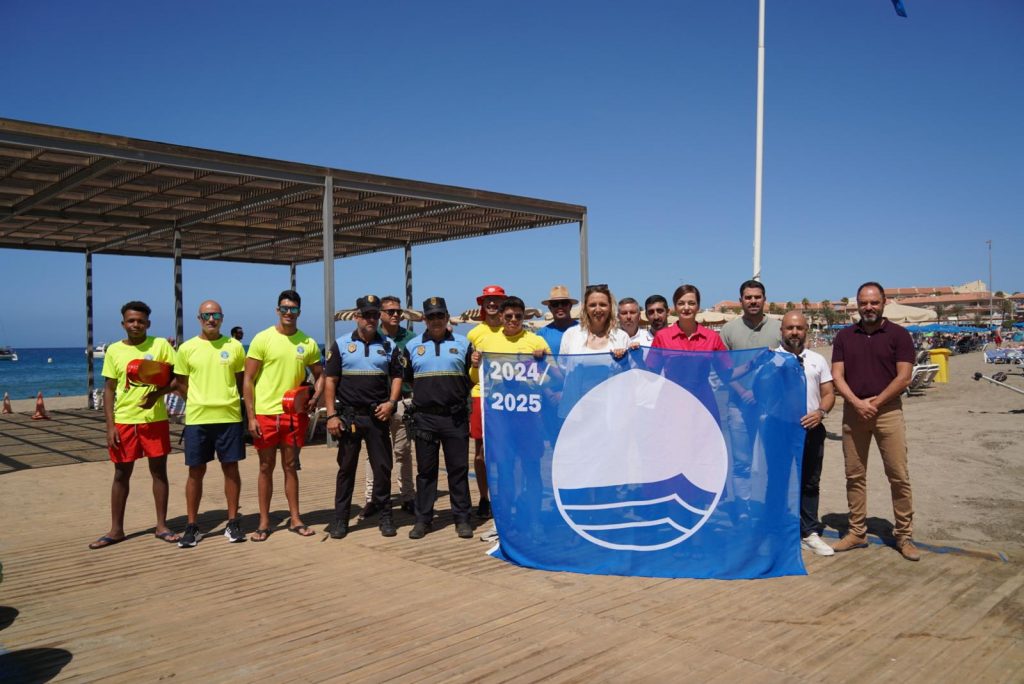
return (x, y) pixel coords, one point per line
(142, 440)
(286, 429)
(476, 420)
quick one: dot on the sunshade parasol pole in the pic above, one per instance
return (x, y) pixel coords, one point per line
(408, 279)
(179, 318)
(88, 328)
(328, 231)
(584, 259)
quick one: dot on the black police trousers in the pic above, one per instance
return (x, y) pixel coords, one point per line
(453, 435)
(377, 437)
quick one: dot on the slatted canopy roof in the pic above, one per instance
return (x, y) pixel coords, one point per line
(77, 191)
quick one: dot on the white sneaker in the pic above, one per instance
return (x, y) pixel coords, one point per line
(491, 535)
(814, 544)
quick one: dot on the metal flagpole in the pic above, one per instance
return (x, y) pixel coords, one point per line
(759, 159)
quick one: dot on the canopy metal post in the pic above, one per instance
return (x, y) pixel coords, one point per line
(88, 329)
(408, 278)
(328, 232)
(291, 273)
(759, 154)
(584, 257)
(179, 323)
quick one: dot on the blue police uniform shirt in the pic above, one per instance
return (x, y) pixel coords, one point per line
(439, 369)
(365, 369)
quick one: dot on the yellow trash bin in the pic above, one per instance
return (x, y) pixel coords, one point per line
(940, 357)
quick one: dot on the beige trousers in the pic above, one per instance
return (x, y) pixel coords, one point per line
(890, 435)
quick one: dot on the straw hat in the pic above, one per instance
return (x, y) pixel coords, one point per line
(559, 292)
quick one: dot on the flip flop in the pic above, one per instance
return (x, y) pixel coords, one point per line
(265, 533)
(302, 530)
(168, 536)
(105, 541)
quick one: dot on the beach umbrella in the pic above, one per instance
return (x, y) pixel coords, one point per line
(574, 312)
(474, 315)
(711, 317)
(350, 315)
(901, 313)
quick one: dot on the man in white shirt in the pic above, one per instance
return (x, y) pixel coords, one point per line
(629, 322)
(820, 400)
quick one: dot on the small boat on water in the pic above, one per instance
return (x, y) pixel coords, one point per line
(98, 351)
(8, 354)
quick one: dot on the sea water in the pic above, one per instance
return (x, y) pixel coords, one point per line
(53, 371)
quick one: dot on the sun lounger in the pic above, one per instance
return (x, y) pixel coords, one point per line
(922, 376)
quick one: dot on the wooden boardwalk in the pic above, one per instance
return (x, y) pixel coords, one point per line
(73, 436)
(439, 610)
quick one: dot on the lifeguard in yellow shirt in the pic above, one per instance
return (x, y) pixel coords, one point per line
(277, 361)
(208, 373)
(135, 431)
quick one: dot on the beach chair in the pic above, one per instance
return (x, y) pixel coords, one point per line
(929, 376)
(922, 376)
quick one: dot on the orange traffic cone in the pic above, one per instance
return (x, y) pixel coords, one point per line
(40, 413)
(7, 404)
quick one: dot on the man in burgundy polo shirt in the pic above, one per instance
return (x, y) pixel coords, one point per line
(872, 363)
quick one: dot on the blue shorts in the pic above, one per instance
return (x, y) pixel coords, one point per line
(201, 441)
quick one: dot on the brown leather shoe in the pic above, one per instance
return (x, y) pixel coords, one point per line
(850, 542)
(909, 551)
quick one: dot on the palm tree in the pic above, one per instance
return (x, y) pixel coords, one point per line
(790, 306)
(957, 311)
(940, 312)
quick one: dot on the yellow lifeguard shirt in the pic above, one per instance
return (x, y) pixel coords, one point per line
(129, 395)
(285, 359)
(475, 336)
(210, 366)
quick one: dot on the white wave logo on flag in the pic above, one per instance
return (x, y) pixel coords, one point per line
(640, 463)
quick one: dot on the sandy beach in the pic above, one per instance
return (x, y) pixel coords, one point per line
(373, 609)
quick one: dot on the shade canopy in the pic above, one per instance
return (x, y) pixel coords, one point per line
(68, 190)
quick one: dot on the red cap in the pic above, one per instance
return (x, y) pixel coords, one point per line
(491, 291)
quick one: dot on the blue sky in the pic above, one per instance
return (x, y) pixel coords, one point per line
(892, 146)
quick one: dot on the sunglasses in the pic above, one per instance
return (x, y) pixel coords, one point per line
(513, 317)
(436, 316)
(212, 316)
(559, 303)
(288, 309)
(391, 312)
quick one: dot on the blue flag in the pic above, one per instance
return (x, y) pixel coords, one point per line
(661, 463)
(898, 6)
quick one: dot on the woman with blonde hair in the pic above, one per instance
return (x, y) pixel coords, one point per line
(598, 330)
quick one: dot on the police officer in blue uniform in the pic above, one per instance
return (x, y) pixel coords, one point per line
(438, 362)
(363, 375)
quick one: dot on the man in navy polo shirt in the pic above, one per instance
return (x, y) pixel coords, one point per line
(872, 362)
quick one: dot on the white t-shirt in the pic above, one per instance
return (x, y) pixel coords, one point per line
(816, 371)
(574, 341)
(643, 337)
